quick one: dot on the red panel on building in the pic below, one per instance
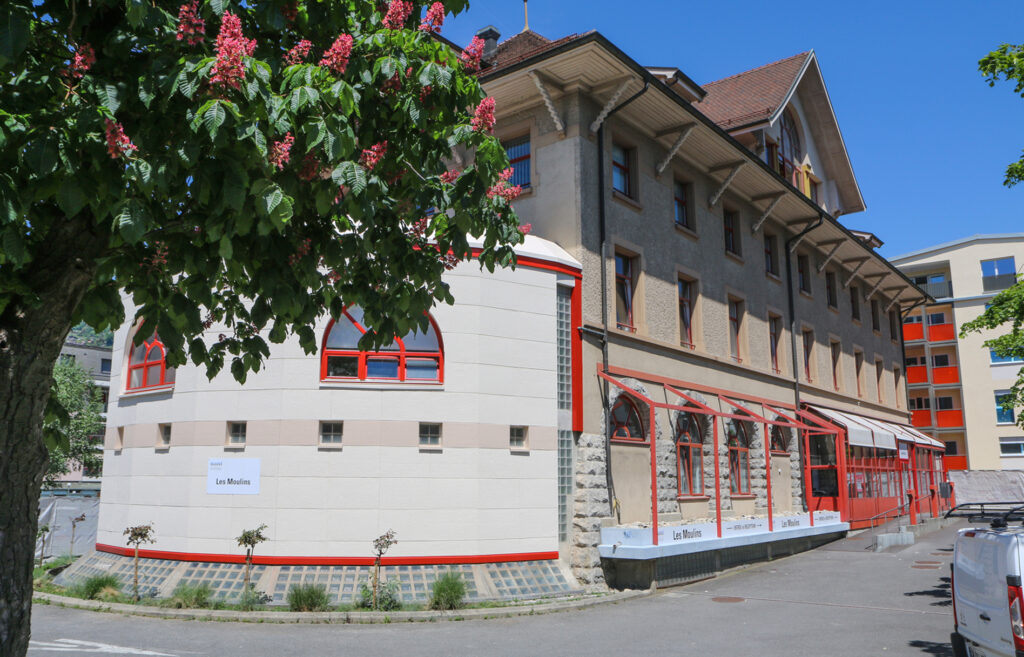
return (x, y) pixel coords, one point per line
(921, 418)
(917, 374)
(941, 333)
(949, 418)
(943, 374)
(955, 462)
(913, 332)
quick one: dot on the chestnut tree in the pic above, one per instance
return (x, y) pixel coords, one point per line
(251, 164)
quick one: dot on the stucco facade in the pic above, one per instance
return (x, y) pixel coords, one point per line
(962, 385)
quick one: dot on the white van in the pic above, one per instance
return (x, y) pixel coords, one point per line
(986, 581)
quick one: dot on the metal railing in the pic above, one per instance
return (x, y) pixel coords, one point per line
(939, 290)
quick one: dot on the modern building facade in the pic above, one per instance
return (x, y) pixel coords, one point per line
(694, 364)
(97, 361)
(956, 384)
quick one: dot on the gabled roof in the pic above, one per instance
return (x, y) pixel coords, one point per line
(963, 241)
(753, 96)
(520, 46)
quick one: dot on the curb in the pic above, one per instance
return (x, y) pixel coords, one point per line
(336, 617)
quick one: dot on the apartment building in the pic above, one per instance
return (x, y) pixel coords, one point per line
(96, 360)
(956, 385)
(694, 364)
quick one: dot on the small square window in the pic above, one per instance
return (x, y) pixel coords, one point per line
(105, 366)
(330, 433)
(236, 433)
(430, 434)
(517, 437)
(165, 435)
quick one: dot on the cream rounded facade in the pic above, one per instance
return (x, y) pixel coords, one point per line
(461, 462)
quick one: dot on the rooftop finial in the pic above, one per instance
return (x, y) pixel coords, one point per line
(526, 17)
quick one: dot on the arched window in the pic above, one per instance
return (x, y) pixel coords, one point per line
(739, 457)
(690, 454)
(415, 357)
(626, 424)
(146, 365)
(790, 138)
(780, 439)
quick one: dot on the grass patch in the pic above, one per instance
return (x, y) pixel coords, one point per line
(189, 596)
(448, 592)
(308, 597)
(97, 587)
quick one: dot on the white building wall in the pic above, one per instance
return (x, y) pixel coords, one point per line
(473, 496)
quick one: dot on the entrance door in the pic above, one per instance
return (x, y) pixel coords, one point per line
(782, 484)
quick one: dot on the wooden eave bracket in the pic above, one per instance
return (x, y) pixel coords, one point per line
(609, 106)
(542, 86)
(896, 299)
(804, 224)
(881, 279)
(735, 169)
(684, 132)
(831, 254)
(853, 274)
(775, 198)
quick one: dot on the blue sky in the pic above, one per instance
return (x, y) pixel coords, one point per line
(928, 138)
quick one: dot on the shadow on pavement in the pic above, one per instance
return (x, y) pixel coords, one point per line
(941, 591)
(933, 648)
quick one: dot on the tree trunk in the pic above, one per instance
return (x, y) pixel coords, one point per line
(33, 327)
(135, 579)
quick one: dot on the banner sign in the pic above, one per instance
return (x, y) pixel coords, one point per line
(233, 477)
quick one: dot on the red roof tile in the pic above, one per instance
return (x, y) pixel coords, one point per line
(522, 46)
(752, 95)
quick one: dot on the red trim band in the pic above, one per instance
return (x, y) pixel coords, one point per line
(266, 560)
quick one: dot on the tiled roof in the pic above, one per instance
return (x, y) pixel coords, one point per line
(752, 95)
(522, 46)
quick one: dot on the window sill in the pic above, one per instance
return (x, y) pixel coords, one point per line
(773, 277)
(834, 309)
(628, 201)
(625, 441)
(877, 333)
(234, 448)
(855, 320)
(692, 498)
(777, 452)
(327, 447)
(743, 496)
(1006, 424)
(807, 295)
(143, 392)
(380, 385)
(519, 451)
(735, 257)
(689, 232)
(688, 345)
(431, 449)
(162, 449)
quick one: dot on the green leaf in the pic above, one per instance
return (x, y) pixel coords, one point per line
(42, 155)
(185, 84)
(70, 197)
(136, 12)
(225, 251)
(132, 220)
(351, 175)
(269, 195)
(14, 245)
(218, 6)
(15, 31)
(109, 95)
(140, 171)
(213, 119)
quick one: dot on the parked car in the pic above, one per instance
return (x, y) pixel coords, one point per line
(986, 581)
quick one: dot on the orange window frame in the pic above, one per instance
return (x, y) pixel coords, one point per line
(152, 343)
(401, 356)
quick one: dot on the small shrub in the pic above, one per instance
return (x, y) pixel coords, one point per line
(192, 596)
(388, 596)
(91, 587)
(251, 600)
(110, 594)
(448, 592)
(308, 597)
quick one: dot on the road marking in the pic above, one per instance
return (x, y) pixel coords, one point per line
(75, 645)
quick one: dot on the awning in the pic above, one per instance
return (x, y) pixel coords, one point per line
(860, 430)
(918, 437)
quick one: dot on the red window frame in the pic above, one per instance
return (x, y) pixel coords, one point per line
(739, 455)
(624, 402)
(401, 356)
(151, 344)
(774, 323)
(520, 175)
(623, 168)
(779, 441)
(730, 219)
(689, 449)
(624, 277)
(685, 289)
(735, 312)
(808, 340)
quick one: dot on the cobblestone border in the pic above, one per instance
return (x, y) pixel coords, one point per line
(339, 617)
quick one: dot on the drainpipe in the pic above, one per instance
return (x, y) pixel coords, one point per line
(603, 234)
(792, 340)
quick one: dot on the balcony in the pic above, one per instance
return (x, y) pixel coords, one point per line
(913, 332)
(997, 282)
(941, 290)
(949, 419)
(945, 375)
(917, 374)
(941, 333)
(955, 462)
(921, 418)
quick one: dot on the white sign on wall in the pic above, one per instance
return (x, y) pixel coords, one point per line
(904, 452)
(233, 477)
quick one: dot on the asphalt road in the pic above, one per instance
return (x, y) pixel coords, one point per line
(836, 601)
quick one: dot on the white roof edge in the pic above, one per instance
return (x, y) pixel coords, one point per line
(977, 237)
(541, 249)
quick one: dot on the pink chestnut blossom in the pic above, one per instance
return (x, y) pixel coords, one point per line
(398, 12)
(82, 61)
(373, 155)
(336, 58)
(297, 53)
(191, 28)
(483, 117)
(472, 53)
(232, 46)
(280, 151)
(434, 19)
(118, 143)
